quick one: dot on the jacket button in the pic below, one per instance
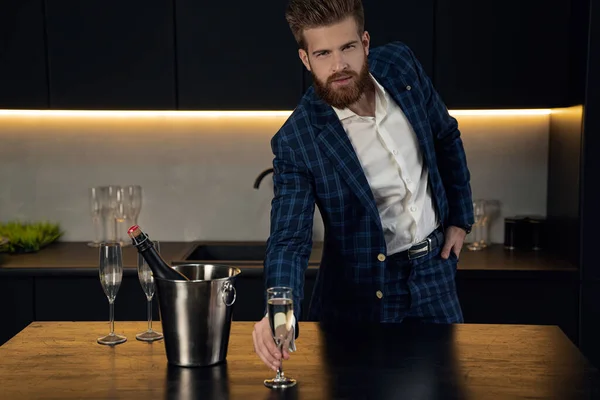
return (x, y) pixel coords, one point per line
(379, 294)
(381, 257)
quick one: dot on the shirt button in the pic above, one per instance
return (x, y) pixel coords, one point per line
(408, 88)
(395, 151)
(381, 257)
(413, 209)
(408, 180)
(379, 294)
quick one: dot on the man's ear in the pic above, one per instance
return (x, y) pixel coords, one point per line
(304, 57)
(366, 40)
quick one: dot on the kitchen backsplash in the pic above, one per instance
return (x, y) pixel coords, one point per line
(197, 172)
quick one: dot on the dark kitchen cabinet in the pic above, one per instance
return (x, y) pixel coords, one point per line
(543, 298)
(81, 298)
(504, 54)
(236, 56)
(111, 54)
(410, 22)
(16, 305)
(23, 80)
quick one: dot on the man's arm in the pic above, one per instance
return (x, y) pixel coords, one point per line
(292, 210)
(450, 153)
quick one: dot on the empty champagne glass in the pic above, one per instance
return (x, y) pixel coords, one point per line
(135, 195)
(148, 286)
(280, 307)
(96, 204)
(111, 274)
(123, 213)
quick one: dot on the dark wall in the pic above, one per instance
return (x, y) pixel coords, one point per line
(564, 176)
(590, 197)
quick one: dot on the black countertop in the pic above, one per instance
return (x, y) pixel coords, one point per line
(76, 258)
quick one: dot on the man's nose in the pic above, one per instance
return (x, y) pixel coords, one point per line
(339, 62)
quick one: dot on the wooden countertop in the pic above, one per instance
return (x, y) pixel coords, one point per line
(52, 360)
(78, 259)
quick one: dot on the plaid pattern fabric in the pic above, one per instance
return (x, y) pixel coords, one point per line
(315, 165)
(422, 288)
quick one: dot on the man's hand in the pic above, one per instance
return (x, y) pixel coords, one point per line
(265, 347)
(453, 241)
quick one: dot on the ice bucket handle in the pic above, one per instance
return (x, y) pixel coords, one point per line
(228, 287)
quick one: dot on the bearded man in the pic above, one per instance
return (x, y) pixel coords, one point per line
(373, 146)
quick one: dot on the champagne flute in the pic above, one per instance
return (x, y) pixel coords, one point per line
(111, 274)
(135, 194)
(280, 307)
(148, 286)
(96, 204)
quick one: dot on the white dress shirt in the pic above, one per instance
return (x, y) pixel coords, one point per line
(390, 156)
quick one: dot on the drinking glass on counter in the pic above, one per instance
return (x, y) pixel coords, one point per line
(135, 197)
(478, 235)
(280, 307)
(148, 286)
(111, 274)
(96, 205)
(114, 209)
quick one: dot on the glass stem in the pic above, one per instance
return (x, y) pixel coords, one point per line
(97, 229)
(280, 368)
(149, 314)
(112, 317)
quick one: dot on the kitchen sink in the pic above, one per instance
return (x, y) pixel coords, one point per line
(228, 252)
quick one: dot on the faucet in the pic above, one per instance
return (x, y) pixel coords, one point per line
(261, 176)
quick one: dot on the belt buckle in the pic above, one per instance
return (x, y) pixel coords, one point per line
(420, 252)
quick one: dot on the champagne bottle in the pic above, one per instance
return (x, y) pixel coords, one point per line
(157, 264)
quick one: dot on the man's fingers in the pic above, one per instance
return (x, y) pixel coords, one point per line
(261, 347)
(270, 351)
(446, 249)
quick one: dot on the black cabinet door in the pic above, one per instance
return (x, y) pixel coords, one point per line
(237, 56)
(75, 298)
(16, 305)
(546, 299)
(502, 54)
(410, 22)
(111, 54)
(23, 81)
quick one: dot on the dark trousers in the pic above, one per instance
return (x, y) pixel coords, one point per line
(422, 289)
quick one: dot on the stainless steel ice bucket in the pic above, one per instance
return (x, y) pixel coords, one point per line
(196, 314)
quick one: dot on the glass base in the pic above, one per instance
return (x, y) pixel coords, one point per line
(280, 383)
(149, 336)
(112, 339)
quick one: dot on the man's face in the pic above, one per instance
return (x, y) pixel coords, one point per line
(337, 58)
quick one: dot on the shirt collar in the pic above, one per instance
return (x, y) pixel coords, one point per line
(379, 101)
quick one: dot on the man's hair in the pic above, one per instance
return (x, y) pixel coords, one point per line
(306, 14)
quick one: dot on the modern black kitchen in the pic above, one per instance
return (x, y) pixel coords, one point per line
(173, 104)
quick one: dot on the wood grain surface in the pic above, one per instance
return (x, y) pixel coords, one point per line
(61, 360)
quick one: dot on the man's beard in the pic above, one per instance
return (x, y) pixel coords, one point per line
(347, 95)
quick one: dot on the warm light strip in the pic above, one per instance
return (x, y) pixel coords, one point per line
(227, 114)
(142, 113)
(501, 112)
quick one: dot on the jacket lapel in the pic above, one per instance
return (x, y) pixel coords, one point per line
(396, 87)
(338, 148)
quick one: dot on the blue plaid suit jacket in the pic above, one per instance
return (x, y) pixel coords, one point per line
(315, 164)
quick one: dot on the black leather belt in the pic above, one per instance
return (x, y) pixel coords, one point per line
(421, 249)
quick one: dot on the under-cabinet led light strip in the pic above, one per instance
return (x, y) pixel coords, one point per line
(226, 114)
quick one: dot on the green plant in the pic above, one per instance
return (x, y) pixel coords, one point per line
(28, 237)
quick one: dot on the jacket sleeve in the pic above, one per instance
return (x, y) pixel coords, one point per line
(292, 209)
(450, 153)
